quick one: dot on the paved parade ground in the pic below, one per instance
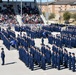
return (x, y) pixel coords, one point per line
(13, 65)
(31, 44)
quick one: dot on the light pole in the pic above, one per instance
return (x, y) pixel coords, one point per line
(21, 8)
(40, 5)
(21, 12)
(60, 13)
(47, 12)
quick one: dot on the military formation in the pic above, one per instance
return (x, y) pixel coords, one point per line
(55, 57)
(32, 56)
(64, 39)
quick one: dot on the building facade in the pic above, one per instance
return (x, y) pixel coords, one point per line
(58, 10)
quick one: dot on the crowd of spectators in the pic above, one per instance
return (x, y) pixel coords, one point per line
(7, 14)
(31, 19)
(30, 15)
(8, 19)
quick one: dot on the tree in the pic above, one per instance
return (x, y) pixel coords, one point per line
(51, 16)
(74, 16)
(66, 16)
(43, 13)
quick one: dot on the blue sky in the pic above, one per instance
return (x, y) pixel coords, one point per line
(43, 0)
(32, 0)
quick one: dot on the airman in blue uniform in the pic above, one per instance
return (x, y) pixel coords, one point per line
(55, 60)
(49, 56)
(43, 48)
(66, 59)
(42, 40)
(27, 59)
(69, 60)
(31, 62)
(43, 62)
(52, 57)
(73, 62)
(38, 58)
(58, 61)
(35, 56)
(3, 56)
(61, 56)
(32, 42)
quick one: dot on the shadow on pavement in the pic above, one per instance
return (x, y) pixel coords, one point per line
(10, 63)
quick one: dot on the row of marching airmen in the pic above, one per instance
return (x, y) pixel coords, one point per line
(55, 57)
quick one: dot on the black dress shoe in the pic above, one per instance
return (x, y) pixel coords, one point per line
(2, 64)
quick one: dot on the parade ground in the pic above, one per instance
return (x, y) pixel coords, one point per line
(37, 37)
(14, 66)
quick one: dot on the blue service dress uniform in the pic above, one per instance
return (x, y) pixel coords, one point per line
(42, 40)
(43, 62)
(66, 60)
(61, 56)
(55, 60)
(73, 63)
(52, 57)
(31, 62)
(27, 59)
(3, 57)
(58, 61)
(69, 61)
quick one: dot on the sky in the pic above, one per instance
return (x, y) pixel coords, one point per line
(43, 0)
(31, 0)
